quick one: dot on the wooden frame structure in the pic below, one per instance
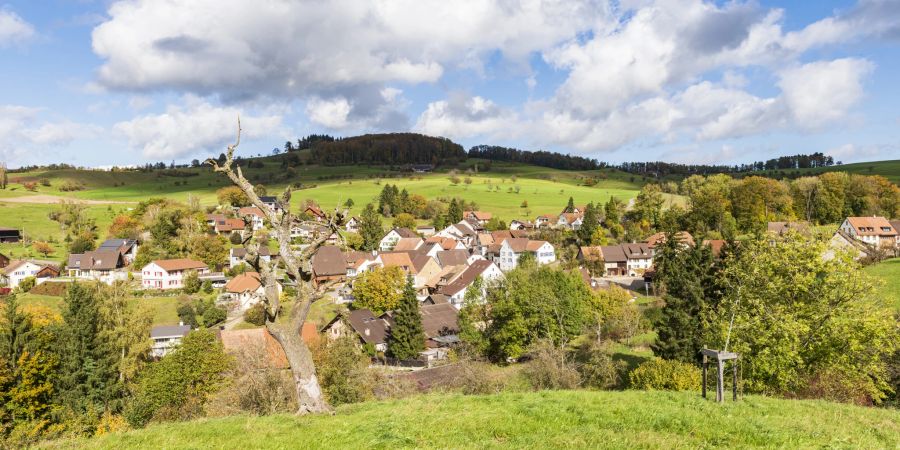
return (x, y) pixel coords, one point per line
(721, 357)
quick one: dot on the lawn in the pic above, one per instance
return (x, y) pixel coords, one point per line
(164, 308)
(548, 419)
(889, 273)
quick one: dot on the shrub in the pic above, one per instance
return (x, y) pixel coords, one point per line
(551, 368)
(187, 314)
(235, 238)
(191, 282)
(213, 316)
(71, 186)
(665, 375)
(597, 368)
(256, 315)
(343, 371)
(26, 284)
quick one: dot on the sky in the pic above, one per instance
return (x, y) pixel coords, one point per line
(103, 83)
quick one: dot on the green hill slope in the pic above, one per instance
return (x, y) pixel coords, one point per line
(560, 419)
(888, 169)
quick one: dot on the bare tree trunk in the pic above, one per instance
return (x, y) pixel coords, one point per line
(287, 333)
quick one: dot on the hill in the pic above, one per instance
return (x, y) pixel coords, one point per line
(889, 273)
(549, 419)
(888, 169)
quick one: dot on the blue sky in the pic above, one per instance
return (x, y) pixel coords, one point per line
(99, 83)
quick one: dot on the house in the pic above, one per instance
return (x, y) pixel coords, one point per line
(19, 270)
(640, 258)
(716, 245)
(543, 220)
(390, 239)
(102, 265)
(570, 220)
(445, 243)
(227, 226)
(4, 260)
(238, 255)
(780, 228)
(841, 241)
(425, 230)
(422, 168)
(510, 250)
(655, 240)
(455, 291)
(440, 322)
(308, 231)
(247, 290)
(591, 256)
(316, 213)
(10, 235)
(462, 232)
(272, 203)
(169, 273)
(875, 231)
(127, 247)
(481, 217)
(408, 244)
(369, 329)
(254, 215)
(426, 267)
(352, 225)
(329, 265)
(359, 262)
(398, 259)
(614, 261)
(456, 257)
(167, 337)
(522, 225)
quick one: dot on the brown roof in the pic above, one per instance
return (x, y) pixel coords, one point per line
(371, 329)
(613, 253)
(328, 261)
(591, 253)
(466, 278)
(572, 217)
(229, 224)
(716, 245)
(784, 227)
(241, 252)
(406, 233)
(398, 259)
(315, 210)
(500, 235)
(407, 244)
(533, 246)
(255, 345)
(480, 215)
(244, 282)
(637, 251)
(250, 211)
(170, 265)
(420, 259)
(96, 260)
(439, 319)
(872, 226)
(517, 245)
(453, 257)
(683, 237)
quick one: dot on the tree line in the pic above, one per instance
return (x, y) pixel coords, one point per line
(387, 149)
(538, 158)
(660, 168)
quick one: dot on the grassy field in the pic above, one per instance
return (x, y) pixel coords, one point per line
(888, 169)
(549, 419)
(889, 273)
(164, 308)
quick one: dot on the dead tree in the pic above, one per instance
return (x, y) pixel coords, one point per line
(286, 332)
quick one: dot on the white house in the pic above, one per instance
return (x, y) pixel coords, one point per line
(516, 225)
(169, 273)
(426, 230)
(352, 225)
(390, 239)
(238, 256)
(272, 203)
(166, 338)
(127, 247)
(19, 270)
(254, 215)
(106, 266)
(639, 258)
(511, 249)
(875, 231)
(455, 291)
(247, 290)
(482, 217)
(570, 220)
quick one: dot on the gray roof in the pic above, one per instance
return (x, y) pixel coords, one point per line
(452, 257)
(168, 331)
(122, 245)
(440, 319)
(371, 329)
(329, 260)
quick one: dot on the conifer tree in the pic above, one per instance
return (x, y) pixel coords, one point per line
(454, 212)
(15, 327)
(589, 225)
(407, 337)
(370, 228)
(570, 207)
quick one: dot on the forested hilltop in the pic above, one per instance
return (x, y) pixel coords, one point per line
(389, 149)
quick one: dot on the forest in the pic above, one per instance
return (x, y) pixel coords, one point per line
(387, 149)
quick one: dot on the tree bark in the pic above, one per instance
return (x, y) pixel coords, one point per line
(288, 333)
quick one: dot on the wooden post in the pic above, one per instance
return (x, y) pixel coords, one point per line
(734, 380)
(720, 383)
(705, 369)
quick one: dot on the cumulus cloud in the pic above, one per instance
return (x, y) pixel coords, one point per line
(192, 128)
(13, 29)
(25, 133)
(821, 92)
(462, 116)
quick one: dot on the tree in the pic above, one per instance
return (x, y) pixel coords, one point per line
(378, 290)
(802, 321)
(191, 282)
(260, 190)
(125, 227)
(589, 225)
(42, 247)
(13, 331)
(613, 210)
(757, 200)
(370, 228)
(805, 191)
(344, 370)
(178, 385)
(454, 212)
(648, 204)
(709, 200)
(570, 207)
(296, 264)
(232, 196)
(407, 337)
(404, 220)
(211, 249)
(125, 328)
(349, 203)
(472, 316)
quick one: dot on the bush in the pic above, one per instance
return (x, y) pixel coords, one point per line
(256, 315)
(343, 371)
(665, 375)
(71, 186)
(191, 283)
(597, 368)
(187, 314)
(551, 368)
(235, 238)
(26, 284)
(213, 316)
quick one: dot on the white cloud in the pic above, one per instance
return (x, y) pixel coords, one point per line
(462, 116)
(822, 92)
(14, 29)
(329, 113)
(197, 127)
(25, 134)
(867, 152)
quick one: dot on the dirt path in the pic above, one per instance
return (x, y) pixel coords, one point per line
(51, 199)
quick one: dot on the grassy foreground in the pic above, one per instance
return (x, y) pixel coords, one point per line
(560, 419)
(889, 272)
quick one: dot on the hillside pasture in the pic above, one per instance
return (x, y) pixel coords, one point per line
(889, 273)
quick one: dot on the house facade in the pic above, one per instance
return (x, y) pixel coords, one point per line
(392, 237)
(106, 266)
(511, 249)
(875, 231)
(169, 273)
(19, 270)
(166, 337)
